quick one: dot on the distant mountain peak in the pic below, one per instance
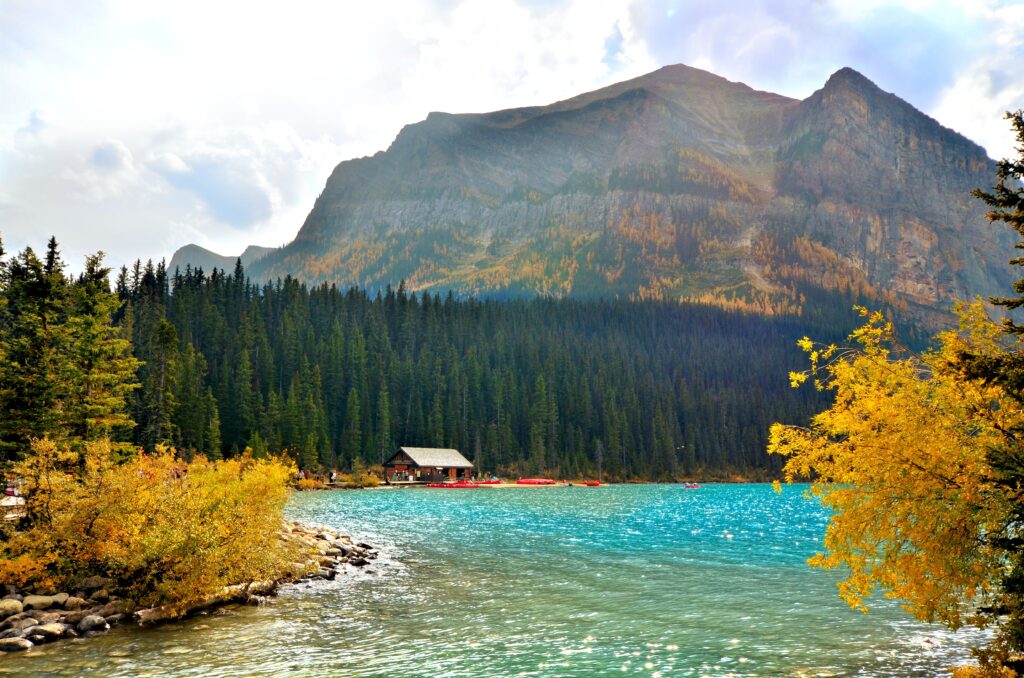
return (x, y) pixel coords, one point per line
(196, 257)
(849, 75)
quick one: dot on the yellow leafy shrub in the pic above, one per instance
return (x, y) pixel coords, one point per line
(168, 532)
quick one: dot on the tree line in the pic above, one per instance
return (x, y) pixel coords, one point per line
(213, 363)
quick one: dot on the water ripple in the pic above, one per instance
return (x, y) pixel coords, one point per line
(648, 580)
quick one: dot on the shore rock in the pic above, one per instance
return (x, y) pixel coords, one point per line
(60, 599)
(9, 607)
(22, 624)
(92, 622)
(74, 603)
(15, 644)
(46, 632)
(37, 602)
(115, 607)
(96, 582)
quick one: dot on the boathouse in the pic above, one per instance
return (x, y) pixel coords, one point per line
(427, 464)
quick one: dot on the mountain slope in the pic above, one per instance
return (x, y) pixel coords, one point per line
(677, 184)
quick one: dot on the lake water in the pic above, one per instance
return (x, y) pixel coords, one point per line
(637, 580)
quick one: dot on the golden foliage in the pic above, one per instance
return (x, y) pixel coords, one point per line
(900, 459)
(167, 531)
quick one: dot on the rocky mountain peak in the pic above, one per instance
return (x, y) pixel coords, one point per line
(678, 184)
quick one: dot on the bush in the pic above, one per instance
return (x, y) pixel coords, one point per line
(311, 484)
(168, 532)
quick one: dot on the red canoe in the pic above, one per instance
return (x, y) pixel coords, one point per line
(488, 482)
(592, 483)
(535, 481)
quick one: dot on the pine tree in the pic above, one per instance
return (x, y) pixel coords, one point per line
(385, 443)
(100, 368)
(34, 340)
(159, 386)
(211, 440)
(1007, 370)
(352, 435)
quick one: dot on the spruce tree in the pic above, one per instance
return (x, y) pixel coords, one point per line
(100, 368)
(1006, 200)
(33, 334)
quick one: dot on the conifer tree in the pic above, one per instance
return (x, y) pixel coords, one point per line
(352, 435)
(34, 339)
(1006, 369)
(100, 368)
(385, 443)
(212, 440)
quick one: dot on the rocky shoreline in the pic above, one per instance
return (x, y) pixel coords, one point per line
(34, 617)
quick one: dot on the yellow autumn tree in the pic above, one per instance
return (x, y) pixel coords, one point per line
(900, 460)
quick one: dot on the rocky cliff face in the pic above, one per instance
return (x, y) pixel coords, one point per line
(678, 184)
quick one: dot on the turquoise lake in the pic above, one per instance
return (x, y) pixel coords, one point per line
(639, 580)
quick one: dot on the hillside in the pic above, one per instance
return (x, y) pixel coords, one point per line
(675, 185)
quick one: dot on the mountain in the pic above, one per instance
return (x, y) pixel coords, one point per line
(675, 185)
(200, 257)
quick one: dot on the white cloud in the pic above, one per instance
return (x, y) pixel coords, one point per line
(989, 85)
(177, 121)
(141, 126)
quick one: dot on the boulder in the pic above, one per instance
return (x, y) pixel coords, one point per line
(92, 622)
(46, 631)
(115, 607)
(15, 644)
(96, 582)
(115, 618)
(365, 547)
(60, 598)
(79, 615)
(12, 633)
(26, 623)
(74, 603)
(100, 596)
(358, 562)
(9, 607)
(14, 596)
(37, 602)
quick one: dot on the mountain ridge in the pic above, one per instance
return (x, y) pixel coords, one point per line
(678, 184)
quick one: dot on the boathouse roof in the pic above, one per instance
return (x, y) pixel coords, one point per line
(433, 457)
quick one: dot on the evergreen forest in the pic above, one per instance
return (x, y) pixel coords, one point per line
(339, 378)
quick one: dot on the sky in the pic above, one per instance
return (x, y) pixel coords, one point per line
(138, 127)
